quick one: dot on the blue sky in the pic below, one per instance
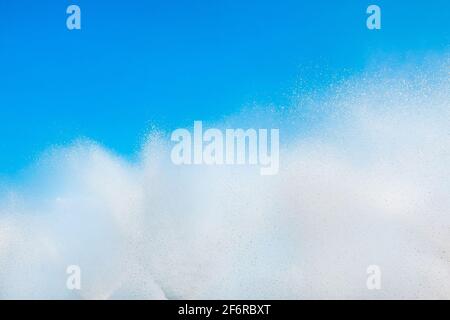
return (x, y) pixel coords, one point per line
(136, 63)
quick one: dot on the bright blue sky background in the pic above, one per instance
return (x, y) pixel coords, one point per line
(170, 62)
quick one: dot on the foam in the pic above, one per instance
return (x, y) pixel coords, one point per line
(368, 184)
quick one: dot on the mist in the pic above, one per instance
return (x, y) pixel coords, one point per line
(368, 184)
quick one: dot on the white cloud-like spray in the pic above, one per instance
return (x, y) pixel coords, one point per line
(368, 185)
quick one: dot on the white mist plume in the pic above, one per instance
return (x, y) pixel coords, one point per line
(369, 186)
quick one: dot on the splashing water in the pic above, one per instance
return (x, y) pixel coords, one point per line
(367, 185)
